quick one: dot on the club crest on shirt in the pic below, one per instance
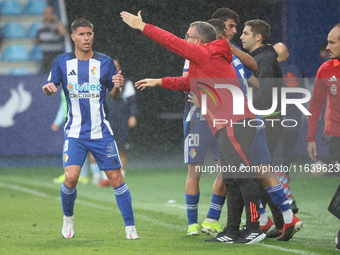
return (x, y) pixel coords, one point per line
(192, 153)
(65, 157)
(334, 89)
(94, 70)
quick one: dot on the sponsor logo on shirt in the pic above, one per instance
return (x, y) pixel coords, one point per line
(333, 78)
(85, 87)
(84, 91)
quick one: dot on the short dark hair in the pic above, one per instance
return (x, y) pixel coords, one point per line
(261, 27)
(204, 30)
(218, 25)
(224, 14)
(80, 23)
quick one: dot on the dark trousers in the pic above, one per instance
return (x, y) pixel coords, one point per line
(274, 132)
(235, 146)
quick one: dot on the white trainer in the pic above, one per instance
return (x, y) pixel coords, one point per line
(131, 232)
(68, 228)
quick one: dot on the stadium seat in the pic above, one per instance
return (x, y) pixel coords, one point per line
(13, 30)
(10, 7)
(35, 7)
(32, 30)
(18, 71)
(35, 53)
(15, 53)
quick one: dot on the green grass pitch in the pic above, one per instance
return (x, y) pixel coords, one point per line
(31, 216)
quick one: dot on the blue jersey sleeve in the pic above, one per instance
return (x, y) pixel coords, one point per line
(111, 72)
(55, 74)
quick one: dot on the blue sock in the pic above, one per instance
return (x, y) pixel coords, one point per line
(279, 198)
(68, 196)
(192, 207)
(215, 208)
(261, 209)
(123, 198)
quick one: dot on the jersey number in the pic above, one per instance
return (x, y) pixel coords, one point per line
(194, 139)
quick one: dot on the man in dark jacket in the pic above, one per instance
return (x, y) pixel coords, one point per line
(254, 39)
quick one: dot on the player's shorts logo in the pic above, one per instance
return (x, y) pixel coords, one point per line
(65, 157)
(334, 89)
(192, 153)
(111, 151)
(94, 70)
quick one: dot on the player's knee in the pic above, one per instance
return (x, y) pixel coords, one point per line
(71, 179)
(116, 179)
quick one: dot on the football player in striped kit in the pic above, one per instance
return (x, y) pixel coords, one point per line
(85, 75)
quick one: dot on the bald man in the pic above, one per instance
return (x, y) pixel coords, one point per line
(326, 84)
(284, 151)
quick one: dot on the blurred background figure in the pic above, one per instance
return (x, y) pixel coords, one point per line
(122, 117)
(50, 37)
(324, 52)
(284, 151)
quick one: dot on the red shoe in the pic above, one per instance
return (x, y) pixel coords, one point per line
(290, 229)
(104, 183)
(269, 227)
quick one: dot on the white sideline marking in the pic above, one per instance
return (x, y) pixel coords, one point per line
(287, 250)
(39, 194)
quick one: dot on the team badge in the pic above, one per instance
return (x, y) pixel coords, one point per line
(111, 151)
(290, 80)
(334, 89)
(192, 153)
(65, 157)
(94, 70)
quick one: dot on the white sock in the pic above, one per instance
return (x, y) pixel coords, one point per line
(263, 219)
(208, 220)
(287, 216)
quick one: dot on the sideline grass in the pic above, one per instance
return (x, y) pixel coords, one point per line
(31, 217)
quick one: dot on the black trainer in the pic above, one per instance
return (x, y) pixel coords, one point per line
(251, 237)
(225, 237)
(275, 233)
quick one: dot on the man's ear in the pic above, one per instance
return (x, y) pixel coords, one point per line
(73, 37)
(258, 38)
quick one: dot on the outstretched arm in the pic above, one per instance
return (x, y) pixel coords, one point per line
(133, 21)
(142, 84)
(247, 60)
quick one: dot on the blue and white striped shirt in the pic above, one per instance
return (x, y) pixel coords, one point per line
(85, 84)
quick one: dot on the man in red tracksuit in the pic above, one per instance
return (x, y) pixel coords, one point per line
(327, 85)
(211, 71)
